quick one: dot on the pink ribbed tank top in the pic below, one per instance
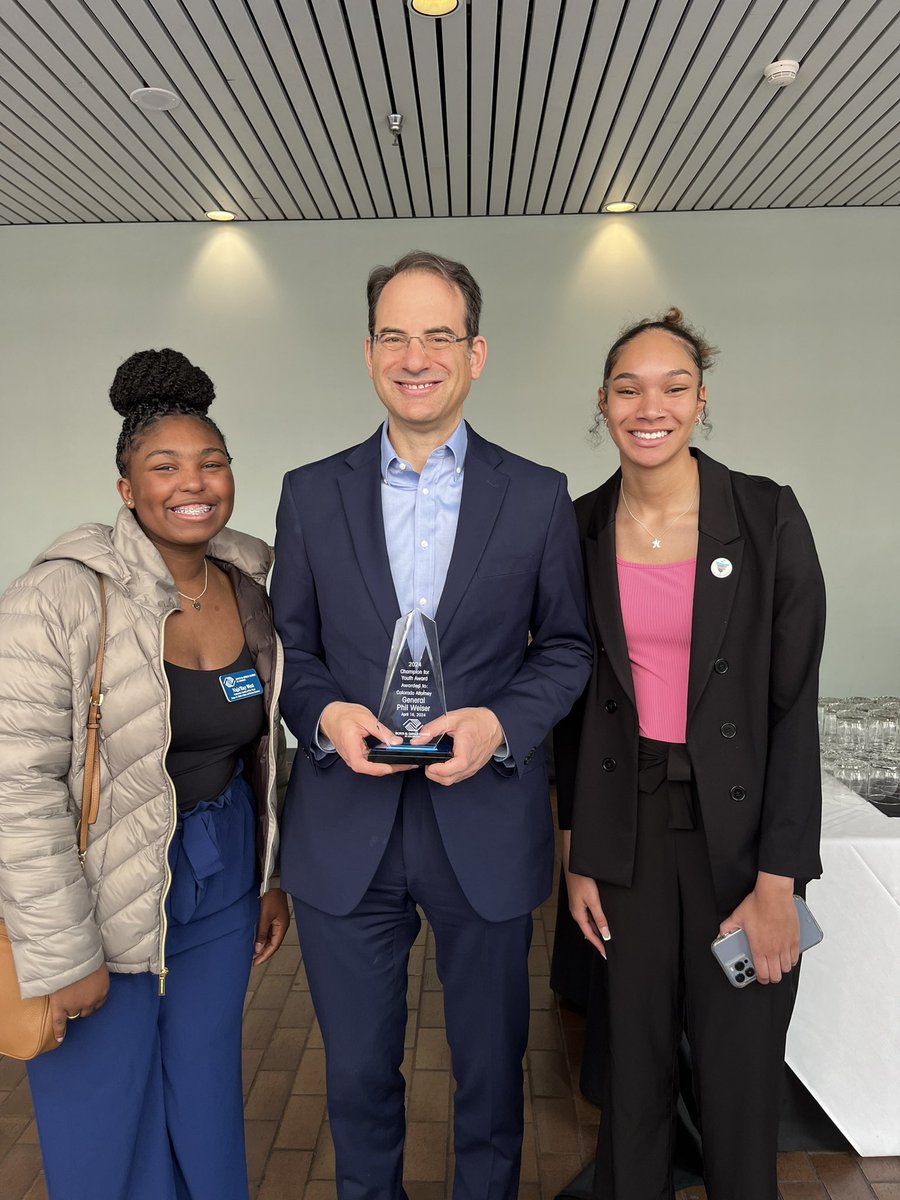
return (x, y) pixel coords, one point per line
(657, 602)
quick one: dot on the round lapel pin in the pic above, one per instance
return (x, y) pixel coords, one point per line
(721, 567)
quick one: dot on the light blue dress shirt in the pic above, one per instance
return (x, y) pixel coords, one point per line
(420, 513)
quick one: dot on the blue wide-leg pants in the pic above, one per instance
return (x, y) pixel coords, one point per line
(143, 1099)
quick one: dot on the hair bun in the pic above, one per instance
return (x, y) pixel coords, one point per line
(164, 376)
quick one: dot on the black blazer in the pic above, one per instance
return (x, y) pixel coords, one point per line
(752, 732)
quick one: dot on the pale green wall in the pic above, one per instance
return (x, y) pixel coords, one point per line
(803, 304)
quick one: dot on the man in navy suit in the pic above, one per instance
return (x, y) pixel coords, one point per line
(425, 515)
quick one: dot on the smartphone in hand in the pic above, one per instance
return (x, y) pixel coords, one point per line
(732, 950)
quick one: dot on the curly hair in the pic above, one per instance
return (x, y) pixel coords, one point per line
(672, 321)
(153, 384)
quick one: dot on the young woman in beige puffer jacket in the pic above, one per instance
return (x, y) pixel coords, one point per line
(146, 951)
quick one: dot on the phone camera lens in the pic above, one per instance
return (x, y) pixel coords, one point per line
(750, 972)
(739, 978)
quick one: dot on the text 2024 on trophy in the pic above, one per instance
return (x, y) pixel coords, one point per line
(413, 694)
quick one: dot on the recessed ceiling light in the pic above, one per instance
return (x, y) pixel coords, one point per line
(154, 99)
(620, 206)
(434, 8)
(220, 214)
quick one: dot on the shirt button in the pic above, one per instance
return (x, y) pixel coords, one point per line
(424, 491)
(459, 470)
(728, 730)
(423, 601)
(402, 466)
(423, 544)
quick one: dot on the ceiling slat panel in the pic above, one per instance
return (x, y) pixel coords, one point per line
(364, 35)
(43, 163)
(574, 23)
(62, 140)
(825, 66)
(866, 170)
(840, 164)
(423, 35)
(844, 118)
(214, 101)
(13, 183)
(542, 37)
(21, 176)
(403, 73)
(222, 171)
(263, 96)
(732, 79)
(305, 121)
(699, 39)
(20, 212)
(764, 107)
(483, 55)
(619, 69)
(513, 29)
(645, 81)
(323, 89)
(585, 99)
(70, 121)
(153, 138)
(455, 63)
(338, 48)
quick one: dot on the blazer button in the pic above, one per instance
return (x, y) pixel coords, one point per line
(611, 706)
(529, 756)
(609, 764)
(728, 730)
(720, 666)
(738, 793)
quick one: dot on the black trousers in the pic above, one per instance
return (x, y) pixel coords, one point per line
(659, 979)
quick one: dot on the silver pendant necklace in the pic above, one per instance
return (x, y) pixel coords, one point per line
(195, 600)
(656, 538)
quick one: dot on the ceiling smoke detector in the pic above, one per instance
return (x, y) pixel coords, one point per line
(782, 73)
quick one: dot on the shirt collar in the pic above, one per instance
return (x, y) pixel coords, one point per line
(456, 444)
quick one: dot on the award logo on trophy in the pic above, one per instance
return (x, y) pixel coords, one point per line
(413, 694)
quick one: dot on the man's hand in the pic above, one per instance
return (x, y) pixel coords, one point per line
(79, 999)
(346, 726)
(274, 919)
(769, 919)
(476, 734)
(584, 902)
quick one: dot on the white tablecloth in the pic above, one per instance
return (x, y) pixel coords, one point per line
(844, 1040)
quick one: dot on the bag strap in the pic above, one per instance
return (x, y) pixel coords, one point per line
(90, 792)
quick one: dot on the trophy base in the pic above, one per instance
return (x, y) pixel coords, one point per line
(411, 756)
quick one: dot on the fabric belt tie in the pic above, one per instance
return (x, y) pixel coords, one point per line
(199, 856)
(668, 763)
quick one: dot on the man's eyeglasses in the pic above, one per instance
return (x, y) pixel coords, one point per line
(432, 343)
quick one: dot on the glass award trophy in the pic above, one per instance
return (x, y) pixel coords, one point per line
(413, 694)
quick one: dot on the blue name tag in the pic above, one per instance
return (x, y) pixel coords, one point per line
(242, 685)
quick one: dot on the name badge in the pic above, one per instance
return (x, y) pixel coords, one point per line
(242, 685)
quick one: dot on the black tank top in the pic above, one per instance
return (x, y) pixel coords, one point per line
(208, 732)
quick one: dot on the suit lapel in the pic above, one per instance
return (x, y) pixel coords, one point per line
(719, 546)
(484, 487)
(603, 576)
(361, 496)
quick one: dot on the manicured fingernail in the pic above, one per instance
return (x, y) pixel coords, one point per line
(605, 934)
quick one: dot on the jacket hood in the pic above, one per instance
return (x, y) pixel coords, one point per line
(126, 556)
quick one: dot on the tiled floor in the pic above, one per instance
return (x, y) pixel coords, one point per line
(289, 1147)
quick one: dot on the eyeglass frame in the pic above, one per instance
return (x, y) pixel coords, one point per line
(430, 351)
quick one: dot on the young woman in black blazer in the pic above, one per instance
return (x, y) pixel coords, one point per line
(688, 775)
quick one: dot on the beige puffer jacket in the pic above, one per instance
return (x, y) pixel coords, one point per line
(64, 922)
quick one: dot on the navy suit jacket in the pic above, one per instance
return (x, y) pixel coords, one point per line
(513, 638)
